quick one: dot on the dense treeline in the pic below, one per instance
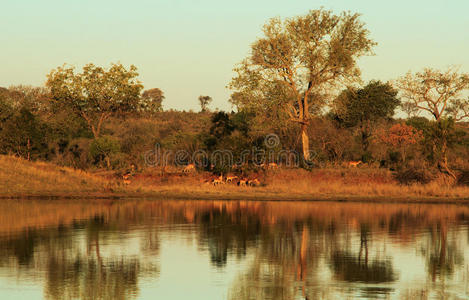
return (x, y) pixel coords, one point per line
(301, 82)
(33, 128)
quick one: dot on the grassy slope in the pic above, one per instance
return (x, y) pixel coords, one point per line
(22, 177)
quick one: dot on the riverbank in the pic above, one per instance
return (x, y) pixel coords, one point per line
(23, 179)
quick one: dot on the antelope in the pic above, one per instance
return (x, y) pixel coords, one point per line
(218, 180)
(273, 165)
(254, 182)
(242, 182)
(189, 168)
(126, 178)
(354, 163)
(229, 179)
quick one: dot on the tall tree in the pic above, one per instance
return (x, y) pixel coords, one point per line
(204, 102)
(362, 108)
(297, 61)
(152, 100)
(96, 93)
(436, 92)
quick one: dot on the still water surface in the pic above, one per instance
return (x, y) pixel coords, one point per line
(146, 249)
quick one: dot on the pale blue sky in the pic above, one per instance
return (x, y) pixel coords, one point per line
(189, 48)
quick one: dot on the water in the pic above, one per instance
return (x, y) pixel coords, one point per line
(144, 249)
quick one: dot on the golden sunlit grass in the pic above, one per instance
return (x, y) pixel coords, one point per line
(23, 178)
(297, 184)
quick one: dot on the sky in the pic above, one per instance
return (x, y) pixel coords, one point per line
(189, 48)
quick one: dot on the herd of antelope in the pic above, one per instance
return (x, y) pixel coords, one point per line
(230, 179)
(243, 181)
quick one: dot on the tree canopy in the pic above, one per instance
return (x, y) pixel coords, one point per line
(363, 107)
(152, 100)
(96, 93)
(298, 61)
(204, 102)
(436, 92)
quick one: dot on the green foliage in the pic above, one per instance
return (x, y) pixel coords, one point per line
(364, 108)
(22, 134)
(103, 149)
(96, 93)
(291, 67)
(439, 136)
(152, 100)
(222, 125)
(357, 107)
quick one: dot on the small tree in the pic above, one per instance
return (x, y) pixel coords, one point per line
(23, 134)
(152, 100)
(363, 108)
(96, 93)
(438, 93)
(103, 148)
(204, 102)
(401, 136)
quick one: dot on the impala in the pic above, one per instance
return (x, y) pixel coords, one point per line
(354, 163)
(254, 182)
(243, 182)
(189, 168)
(126, 178)
(273, 165)
(229, 179)
(218, 180)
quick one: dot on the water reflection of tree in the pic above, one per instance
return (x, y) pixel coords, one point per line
(351, 267)
(89, 278)
(291, 243)
(285, 264)
(20, 246)
(225, 232)
(74, 271)
(442, 255)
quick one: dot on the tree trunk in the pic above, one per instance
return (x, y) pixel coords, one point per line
(305, 141)
(451, 173)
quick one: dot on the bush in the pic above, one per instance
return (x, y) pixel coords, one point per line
(463, 178)
(414, 175)
(103, 148)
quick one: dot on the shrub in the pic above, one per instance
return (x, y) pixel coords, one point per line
(412, 175)
(463, 178)
(103, 148)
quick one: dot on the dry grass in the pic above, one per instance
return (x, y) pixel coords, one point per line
(24, 178)
(296, 184)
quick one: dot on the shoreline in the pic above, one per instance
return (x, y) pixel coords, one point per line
(237, 197)
(23, 179)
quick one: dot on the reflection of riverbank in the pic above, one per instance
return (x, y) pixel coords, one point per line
(101, 249)
(16, 215)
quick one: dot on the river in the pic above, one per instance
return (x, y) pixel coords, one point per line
(171, 249)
